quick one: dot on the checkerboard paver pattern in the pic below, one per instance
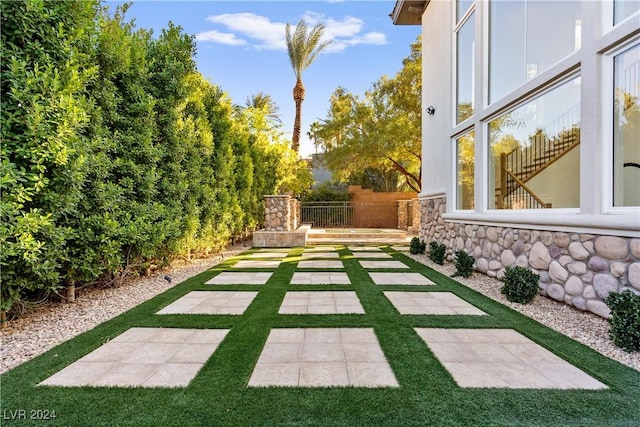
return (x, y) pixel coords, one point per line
(320, 264)
(399, 279)
(143, 357)
(320, 278)
(431, 303)
(240, 278)
(502, 358)
(211, 302)
(383, 264)
(321, 302)
(322, 357)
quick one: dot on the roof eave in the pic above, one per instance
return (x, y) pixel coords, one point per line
(408, 12)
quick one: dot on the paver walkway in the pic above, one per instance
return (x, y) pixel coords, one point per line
(323, 356)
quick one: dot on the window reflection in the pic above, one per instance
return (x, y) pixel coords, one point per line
(626, 128)
(622, 9)
(465, 154)
(465, 74)
(534, 157)
(527, 37)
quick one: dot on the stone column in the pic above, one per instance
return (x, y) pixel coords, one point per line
(277, 213)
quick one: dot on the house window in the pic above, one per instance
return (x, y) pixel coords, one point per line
(465, 42)
(527, 37)
(626, 128)
(622, 9)
(534, 154)
(465, 154)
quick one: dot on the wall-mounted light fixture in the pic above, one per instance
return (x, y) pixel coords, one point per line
(431, 110)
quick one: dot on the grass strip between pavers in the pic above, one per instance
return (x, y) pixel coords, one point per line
(219, 395)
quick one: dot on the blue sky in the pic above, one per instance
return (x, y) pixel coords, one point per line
(241, 48)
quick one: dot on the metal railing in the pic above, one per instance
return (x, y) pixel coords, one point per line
(350, 214)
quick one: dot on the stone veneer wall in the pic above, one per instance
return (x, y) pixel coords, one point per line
(576, 268)
(278, 213)
(403, 207)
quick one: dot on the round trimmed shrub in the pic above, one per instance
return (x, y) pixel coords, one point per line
(625, 320)
(520, 284)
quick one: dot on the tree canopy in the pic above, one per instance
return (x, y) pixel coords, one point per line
(380, 131)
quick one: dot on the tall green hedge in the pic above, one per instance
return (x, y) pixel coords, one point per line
(116, 153)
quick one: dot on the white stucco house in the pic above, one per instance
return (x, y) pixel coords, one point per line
(531, 138)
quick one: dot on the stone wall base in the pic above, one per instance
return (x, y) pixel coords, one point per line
(281, 239)
(576, 268)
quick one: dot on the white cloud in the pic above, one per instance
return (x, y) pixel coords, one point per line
(260, 33)
(221, 38)
(266, 34)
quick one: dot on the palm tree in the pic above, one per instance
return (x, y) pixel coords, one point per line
(303, 47)
(262, 101)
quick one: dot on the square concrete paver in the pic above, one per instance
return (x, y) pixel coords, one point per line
(502, 358)
(400, 279)
(321, 302)
(431, 303)
(382, 264)
(322, 357)
(320, 264)
(268, 255)
(257, 264)
(320, 278)
(318, 254)
(364, 249)
(371, 255)
(400, 248)
(240, 278)
(321, 249)
(210, 302)
(143, 357)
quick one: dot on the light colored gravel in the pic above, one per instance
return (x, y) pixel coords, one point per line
(584, 327)
(52, 324)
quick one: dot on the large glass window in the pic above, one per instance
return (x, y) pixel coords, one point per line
(534, 157)
(464, 71)
(461, 8)
(626, 128)
(465, 155)
(527, 37)
(622, 9)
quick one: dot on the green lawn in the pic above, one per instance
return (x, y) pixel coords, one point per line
(219, 394)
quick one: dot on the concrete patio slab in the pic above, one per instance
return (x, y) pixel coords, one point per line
(210, 302)
(371, 255)
(321, 302)
(268, 255)
(320, 264)
(322, 357)
(400, 279)
(257, 264)
(321, 249)
(320, 278)
(143, 357)
(431, 303)
(502, 358)
(240, 278)
(383, 264)
(318, 254)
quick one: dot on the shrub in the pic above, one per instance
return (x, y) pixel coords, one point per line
(417, 246)
(520, 284)
(625, 320)
(464, 264)
(437, 252)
